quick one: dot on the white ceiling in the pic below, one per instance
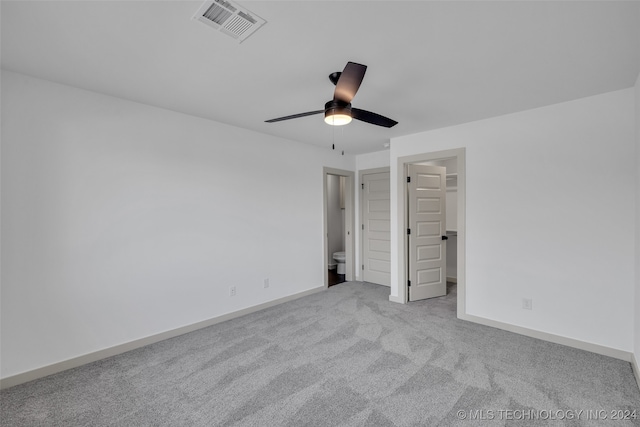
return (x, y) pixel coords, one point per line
(431, 64)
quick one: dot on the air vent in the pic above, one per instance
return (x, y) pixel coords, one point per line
(229, 18)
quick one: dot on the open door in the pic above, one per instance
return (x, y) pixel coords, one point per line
(426, 233)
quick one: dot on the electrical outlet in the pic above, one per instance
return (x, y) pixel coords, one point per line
(266, 283)
(527, 303)
(232, 291)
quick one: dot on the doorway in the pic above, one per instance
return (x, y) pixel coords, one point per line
(457, 158)
(338, 222)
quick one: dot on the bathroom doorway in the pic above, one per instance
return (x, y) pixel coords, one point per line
(338, 226)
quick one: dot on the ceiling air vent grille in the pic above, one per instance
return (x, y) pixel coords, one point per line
(229, 18)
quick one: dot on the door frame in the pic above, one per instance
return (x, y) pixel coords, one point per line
(349, 208)
(361, 175)
(402, 223)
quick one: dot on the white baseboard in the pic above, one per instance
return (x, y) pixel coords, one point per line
(132, 345)
(557, 339)
(635, 367)
(452, 279)
(396, 299)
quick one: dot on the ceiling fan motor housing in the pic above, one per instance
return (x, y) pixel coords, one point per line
(337, 107)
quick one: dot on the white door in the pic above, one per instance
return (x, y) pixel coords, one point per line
(376, 228)
(426, 233)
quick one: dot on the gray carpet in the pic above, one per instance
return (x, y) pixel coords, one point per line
(346, 356)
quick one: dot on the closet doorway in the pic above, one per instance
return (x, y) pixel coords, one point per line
(456, 194)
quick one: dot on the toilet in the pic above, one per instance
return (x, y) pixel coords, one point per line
(340, 258)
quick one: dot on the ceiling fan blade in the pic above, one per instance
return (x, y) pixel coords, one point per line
(349, 82)
(373, 118)
(294, 116)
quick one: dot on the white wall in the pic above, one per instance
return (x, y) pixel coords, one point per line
(378, 159)
(549, 216)
(121, 220)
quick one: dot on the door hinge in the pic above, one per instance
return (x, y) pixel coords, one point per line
(363, 226)
(408, 179)
(363, 266)
(408, 231)
(408, 282)
(362, 185)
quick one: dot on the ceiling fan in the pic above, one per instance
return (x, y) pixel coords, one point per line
(338, 111)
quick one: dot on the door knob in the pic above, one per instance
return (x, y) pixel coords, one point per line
(445, 238)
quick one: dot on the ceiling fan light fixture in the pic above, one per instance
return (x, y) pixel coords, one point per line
(337, 113)
(337, 119)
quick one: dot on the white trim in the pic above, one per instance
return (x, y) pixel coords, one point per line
(452, 279)
(557, 339)
(132, 345)
(635, 368)
(396, 299)
(349, 239)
